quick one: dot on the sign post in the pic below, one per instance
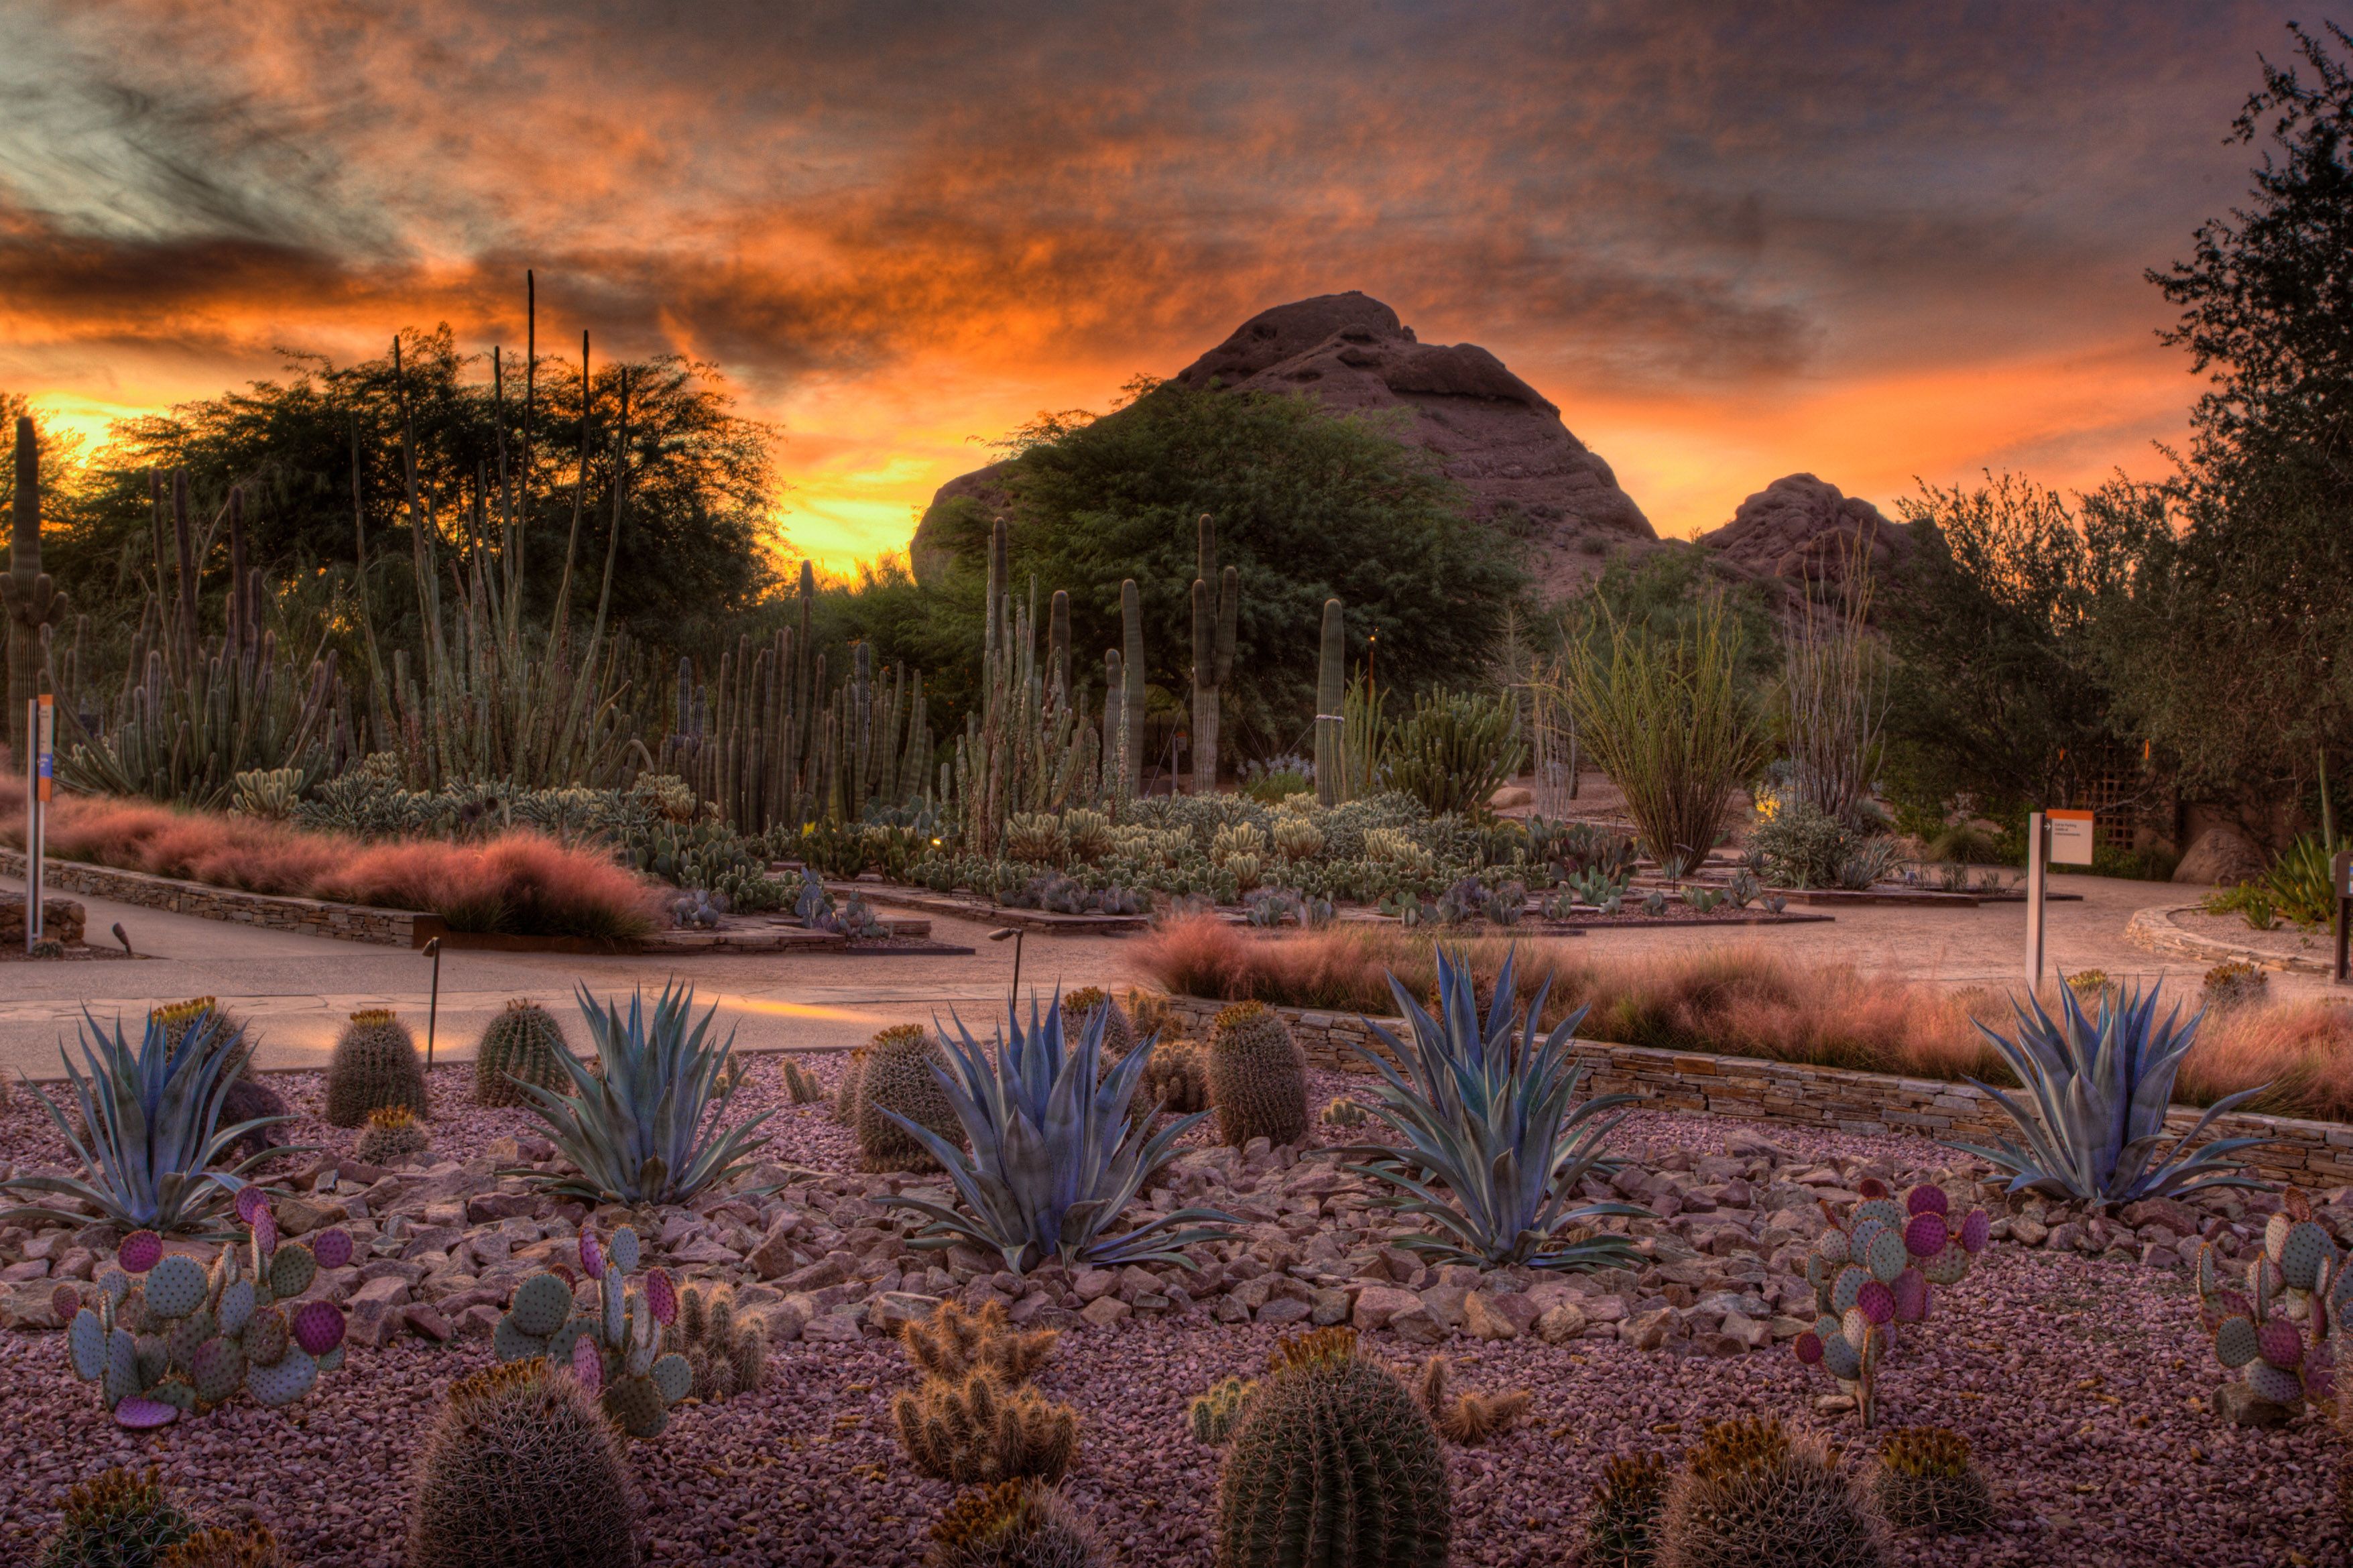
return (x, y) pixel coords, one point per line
(40, 748)
(2340, 879)
(2053, 838)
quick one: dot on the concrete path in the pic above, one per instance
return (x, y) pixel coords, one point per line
(298, 990)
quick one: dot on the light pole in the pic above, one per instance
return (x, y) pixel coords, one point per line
(999, 935)
(433, 1010)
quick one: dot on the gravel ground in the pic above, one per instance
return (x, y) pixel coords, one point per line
(2081, 1384)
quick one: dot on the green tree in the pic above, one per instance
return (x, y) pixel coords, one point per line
(1307, 504)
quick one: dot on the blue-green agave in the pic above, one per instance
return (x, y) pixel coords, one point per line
(651, 1130)
(2101, 1084)
(1492, 1147)
(153, 1118)
(1055, 1160)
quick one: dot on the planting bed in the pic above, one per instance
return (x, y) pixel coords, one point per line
(2080, 1376)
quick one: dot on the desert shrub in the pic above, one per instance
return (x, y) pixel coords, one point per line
(1454, 751)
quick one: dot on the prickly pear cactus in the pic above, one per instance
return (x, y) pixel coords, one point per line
(1878, 1269)
(185, 1339)
(615, 1345)
(2276, 1326)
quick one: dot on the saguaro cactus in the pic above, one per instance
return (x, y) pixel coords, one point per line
(1118, 783)
(30, 599)
(1058, 645)
(1331, 691)
(1215, 603)
(1131, 664)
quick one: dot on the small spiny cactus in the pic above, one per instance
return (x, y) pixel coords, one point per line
(1469, 1419)
(1175, 1079)
(393, 1136)
(1752, 1496)
(221, 1546)
(1621, 1526)
(953, 1341)
(978, 1429)
(1926, 1481)
(727, 1358)
(522, 1468)
(2235, 984)
(1013, 1524)
(121, 1520)
(523, 1045)
(1257, 1080)
(1212, 1417)
(374, 1065)
(800, 1084)
(1344, 1112)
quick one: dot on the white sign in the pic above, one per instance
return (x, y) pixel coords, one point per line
(2070, 837)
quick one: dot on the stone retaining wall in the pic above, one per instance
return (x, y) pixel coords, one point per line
(2316, 1154)
(2156, 930)
(312, 917)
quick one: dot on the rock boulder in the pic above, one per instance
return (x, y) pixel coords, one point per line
(2222, 857)
(1802, 528)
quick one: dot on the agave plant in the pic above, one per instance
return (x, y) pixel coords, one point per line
(1055, 1160)
(2100, 1085)
(651, 1130)
(152, 1118)
(1493, 1148)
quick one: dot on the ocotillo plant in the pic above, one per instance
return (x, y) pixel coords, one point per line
(1331, 691)
(31, 599)
(1217, 602)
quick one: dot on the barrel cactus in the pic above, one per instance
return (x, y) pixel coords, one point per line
(1257, 1080)
(1013, 1524)
(2277, 1324)
(845, 1094)
(393, 1136)
(121, 1520)
(1878, 1269)
(1621, 1526)
(1927, 1481)
(250, 1545)
(374, 1065)
(185, 1338)
(522, 1468)
(612, 1337)
(899, 1076)
(1335, 1463)
(1119, 1033)
(524, 1044)
(1753, 1496)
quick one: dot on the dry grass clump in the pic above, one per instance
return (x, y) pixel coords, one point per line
(1746, 1001)
(519, 882)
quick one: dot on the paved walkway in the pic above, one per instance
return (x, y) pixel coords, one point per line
(297, 990)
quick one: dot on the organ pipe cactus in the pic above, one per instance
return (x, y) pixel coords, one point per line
(1331, 691)
(185, 1338)
(1492, 1150)
(1878, 1269)
(613, 1343)
(2276, 1326)
(27, 596)
(1216, 603)
(2100, 1084)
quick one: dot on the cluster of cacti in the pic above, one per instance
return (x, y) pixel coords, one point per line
(1036, 836)
(1879, 1270)
(1469, 1419)
(1013, 1524)
(1334, 1462)
(269, 793)
(523, 1045)
(1212, 1417)
(1175, 1079)
(1927, 1481)
(116, 1521)
(251, 1545)
(801, 1087)
(1752, 1496)
(1078, 1008)
(1344, 1112)
(1257, 1079)
(393, 1136)
(1296, 837)
(1396, 849)
(1621, 1526)
(2235, 984)
(974, 1417)
(612, 1338)
(726, 1357)
(897, 1077)
(521, 1469)
(2276, 1327)
(374, 1065)
(185, 1338)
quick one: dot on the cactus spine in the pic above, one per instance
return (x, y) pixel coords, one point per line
(1334, 1463)
(375, 1066)
(522, 1468)
(1330, 692)
(1258, 1081)
(1217, 603)
(524, 1044)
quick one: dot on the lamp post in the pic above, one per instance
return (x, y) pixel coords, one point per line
(999, 935)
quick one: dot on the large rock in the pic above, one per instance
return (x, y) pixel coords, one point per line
(61, 920)
(1494, 434)
(2221, 858)
(1803, 529)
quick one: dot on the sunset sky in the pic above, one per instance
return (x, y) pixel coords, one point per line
(1730, 241)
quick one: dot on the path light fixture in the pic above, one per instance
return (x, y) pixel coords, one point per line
(999, 935)
(124, 938)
